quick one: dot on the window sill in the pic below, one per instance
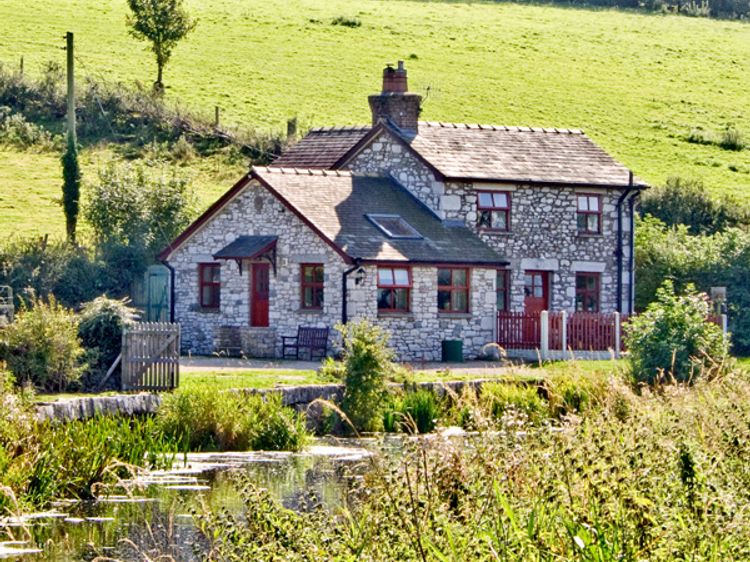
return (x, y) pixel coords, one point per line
(310, 311)
(455, 315)
(402, 315)
(589, 235)
(495, 231)
(207, 310)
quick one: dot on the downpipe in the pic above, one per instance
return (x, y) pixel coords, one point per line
(344, 292)
(618, 251)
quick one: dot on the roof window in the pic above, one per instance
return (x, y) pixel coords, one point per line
(394, 226)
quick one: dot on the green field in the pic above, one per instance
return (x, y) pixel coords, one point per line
(636, 83)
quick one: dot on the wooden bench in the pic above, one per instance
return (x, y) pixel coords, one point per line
(312, 340)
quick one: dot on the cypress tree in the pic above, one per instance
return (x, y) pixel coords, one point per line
(71, 188)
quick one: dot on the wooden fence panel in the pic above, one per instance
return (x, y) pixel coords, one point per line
(151, 356)
(518, 330)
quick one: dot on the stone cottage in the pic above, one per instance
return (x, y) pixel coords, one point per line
(427, 229)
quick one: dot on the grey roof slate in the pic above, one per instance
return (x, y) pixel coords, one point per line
(337, 202)
(480, 152)
(245, 247)
(321, 148)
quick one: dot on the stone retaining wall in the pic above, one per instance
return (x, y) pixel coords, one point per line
(298, 397)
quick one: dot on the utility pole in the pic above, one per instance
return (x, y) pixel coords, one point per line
(71, 90)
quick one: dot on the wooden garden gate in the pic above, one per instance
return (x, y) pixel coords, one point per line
(151, 356)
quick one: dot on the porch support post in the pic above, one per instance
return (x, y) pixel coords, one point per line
(544, 333)
(563, 332)
(618, 336)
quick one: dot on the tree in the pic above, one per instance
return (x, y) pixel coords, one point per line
(71, 189)
(162, 22)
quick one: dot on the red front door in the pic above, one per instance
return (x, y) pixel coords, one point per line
(259, 280)
(536, 291)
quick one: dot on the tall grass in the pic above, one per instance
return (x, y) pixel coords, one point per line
(664, 479)
(212, 420)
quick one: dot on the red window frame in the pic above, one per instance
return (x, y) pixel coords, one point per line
(492, 209)
(453, 289)
(390, 290)
(583, 214)
(588, 299)
(214, 300)
(316, 287)
(502, 293)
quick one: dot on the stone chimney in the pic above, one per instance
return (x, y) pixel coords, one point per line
(395, 104)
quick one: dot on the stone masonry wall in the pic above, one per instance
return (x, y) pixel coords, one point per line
(543, 236)
(387, 156)
(253, 212)
(417, 335)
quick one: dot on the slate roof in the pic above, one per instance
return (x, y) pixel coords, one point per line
(478, 152)
(321, 148)
(337, 202)
(245, 247)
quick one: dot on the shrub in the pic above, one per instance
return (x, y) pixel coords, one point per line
(731, 139)
(227, 421)
(41, 347)
(100, 329)
(366, 364)
(15, 131)
(673, 337)
(346, 21)
(501, 398)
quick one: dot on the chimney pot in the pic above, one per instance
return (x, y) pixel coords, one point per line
(395, 104)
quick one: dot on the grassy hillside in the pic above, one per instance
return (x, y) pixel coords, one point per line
(637, 83)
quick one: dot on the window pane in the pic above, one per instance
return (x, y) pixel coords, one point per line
(591, 282)
(318, 274)
(593, 223)
(579, 303)
(307, 298)
(501, 278)
(583, 203)
(580, 281)
(582, 221)
(459, 277)
(401, 298)
(538, 291)
(460, 301)
(384, 298)
(401, 276)
(444, 276)
(501, 199)
(485, 200)
(484, 219)
(527, 280)
(318, 297)
(444, 300)
(307, 274)
(500, 220)
(593, 203)
(501, 300)
(385, 276)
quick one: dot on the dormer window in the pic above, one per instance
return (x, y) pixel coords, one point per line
(393, 226)
(493, 210)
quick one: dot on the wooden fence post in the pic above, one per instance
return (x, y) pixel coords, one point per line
(724, 326)
(544, 333)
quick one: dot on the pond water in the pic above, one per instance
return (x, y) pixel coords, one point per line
(155, 516)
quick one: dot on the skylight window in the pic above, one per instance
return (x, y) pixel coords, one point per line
(394, 226)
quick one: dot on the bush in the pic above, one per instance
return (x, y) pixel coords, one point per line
(501, 398)
(673, 338)
(731, 139)
(15, 131)
(41, 347)
(366, 364)
(100, 329)
(201, 420)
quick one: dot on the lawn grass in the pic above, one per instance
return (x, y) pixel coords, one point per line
(637, 83)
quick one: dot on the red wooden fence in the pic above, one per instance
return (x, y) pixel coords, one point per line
(518, 330)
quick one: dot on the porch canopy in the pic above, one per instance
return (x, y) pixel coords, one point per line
(250, 248)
